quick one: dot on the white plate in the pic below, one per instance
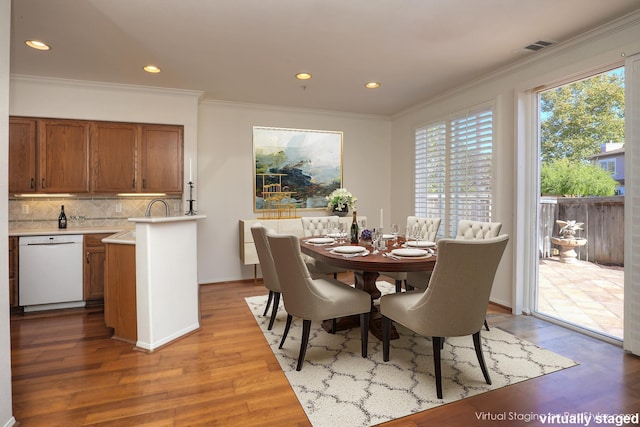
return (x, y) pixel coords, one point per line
(421, 244)
(348, 249)
(320, 240)
(409, 252)
(387, 236)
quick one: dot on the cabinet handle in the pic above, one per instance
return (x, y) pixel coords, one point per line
(144, 183)
(42, 184)
(88, 262)
(33, 183)
(133, 184)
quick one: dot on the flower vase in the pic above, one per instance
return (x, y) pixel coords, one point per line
(340, 213)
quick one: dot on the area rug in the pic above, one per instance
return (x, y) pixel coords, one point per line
(337, 387)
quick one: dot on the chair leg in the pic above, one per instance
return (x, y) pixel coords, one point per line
(335, 276)
(268, 303)
(486, 326)
(408, 287)
(306, 329)
(364, 332)
(478, 346)
(437, 345)
(334, 325)
(274, 310)
(286, 329)
(386, 332)
(398, 285)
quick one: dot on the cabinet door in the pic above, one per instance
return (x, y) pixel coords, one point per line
(13, 271)
(22, 155)
(63, 149)
(113, 157)
(93, 271)
(162, 159)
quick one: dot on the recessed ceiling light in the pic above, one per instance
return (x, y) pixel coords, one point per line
(37, 44)
(151, 69)
(372, 85)
(303, 76)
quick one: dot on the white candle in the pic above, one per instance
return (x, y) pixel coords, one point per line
(381, 223)
(190, 171)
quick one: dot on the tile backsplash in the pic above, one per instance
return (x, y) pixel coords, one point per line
(42, 212)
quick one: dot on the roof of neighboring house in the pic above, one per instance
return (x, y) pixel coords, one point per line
(611, 153)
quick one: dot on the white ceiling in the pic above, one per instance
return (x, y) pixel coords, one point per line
(250, 50)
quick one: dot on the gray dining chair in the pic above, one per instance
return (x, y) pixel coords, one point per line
(314, 299)
(428, 230)
(455, 302)
(269, 275)
(315, 226)
(467, 230)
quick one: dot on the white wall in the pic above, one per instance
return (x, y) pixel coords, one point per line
(225, 174)
(6, 417)
(593, 51)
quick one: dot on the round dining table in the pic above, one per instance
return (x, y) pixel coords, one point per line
(366, 266)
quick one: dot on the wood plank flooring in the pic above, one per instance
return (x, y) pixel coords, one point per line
(68, 372)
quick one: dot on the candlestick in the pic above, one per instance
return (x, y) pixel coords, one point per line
(190, 171)
(381, 223)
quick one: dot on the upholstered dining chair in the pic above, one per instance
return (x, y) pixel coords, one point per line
(313, 226)
(428, 230)
(314, 299)
(467, 230)
(269, 275)
(455, 302)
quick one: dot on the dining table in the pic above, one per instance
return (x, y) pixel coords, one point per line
(367, 264)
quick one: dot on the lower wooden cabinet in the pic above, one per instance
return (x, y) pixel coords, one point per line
(120, 311)
(93, 268)
(13, 271)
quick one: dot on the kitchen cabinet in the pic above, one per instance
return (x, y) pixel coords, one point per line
(94, 157)
(162, 159)
(113, 157)
(63, 156)
(13, 271)
(93, 268)
(120, 309)
(22, 155)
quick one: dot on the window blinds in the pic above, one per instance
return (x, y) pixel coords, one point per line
(453, 170)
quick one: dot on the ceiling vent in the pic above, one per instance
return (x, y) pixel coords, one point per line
(538, 45)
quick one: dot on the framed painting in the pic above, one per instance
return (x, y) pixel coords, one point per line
(301, 166)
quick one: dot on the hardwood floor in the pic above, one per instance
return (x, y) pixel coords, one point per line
(68, 372)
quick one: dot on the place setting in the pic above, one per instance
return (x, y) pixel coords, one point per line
(350, 251)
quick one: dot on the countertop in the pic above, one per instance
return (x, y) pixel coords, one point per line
(71, 230)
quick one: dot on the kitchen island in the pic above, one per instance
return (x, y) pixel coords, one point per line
(166, 283)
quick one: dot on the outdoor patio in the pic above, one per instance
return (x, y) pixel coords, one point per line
(584, 293)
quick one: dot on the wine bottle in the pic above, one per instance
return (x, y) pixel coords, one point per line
(354, 229)
(62, 218)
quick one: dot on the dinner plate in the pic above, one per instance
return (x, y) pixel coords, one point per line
(337, 235)
(421, 244)
(387, 236)
(348, 249)
(321, 240)
(409, 252)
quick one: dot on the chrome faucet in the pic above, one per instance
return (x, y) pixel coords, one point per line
(166, 207)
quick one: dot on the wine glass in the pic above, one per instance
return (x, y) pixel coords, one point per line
(394, 231)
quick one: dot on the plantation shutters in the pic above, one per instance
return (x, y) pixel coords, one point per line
(453, 170)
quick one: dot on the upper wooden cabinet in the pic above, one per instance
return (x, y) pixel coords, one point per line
(22, 155)
(113, 157)
(162, 159)
(63, 150)
(76, 156)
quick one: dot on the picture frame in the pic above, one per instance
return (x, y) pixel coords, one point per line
(304, 165)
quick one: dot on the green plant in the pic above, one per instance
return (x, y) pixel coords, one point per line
(574, 178)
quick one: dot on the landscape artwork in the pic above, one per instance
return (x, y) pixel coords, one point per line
(305, 166)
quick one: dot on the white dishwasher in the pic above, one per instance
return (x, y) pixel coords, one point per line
(50, 272)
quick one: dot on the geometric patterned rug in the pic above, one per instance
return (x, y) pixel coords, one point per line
(337, 387)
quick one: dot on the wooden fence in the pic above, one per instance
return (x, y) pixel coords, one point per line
(603, 219)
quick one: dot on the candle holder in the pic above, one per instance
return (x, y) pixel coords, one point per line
(191, 211)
